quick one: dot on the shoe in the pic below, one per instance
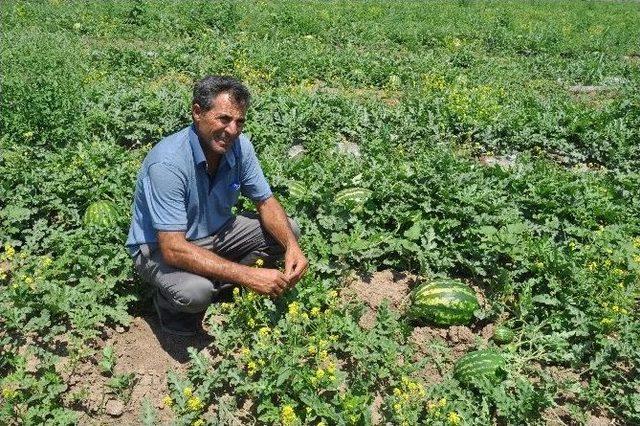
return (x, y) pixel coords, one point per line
(179, 323)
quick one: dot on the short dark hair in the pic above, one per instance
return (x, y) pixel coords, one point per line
(207, 88)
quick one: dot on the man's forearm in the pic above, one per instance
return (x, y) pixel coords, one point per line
(200, 261)
(275, 221)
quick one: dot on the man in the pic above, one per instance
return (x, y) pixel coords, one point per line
(184, 239)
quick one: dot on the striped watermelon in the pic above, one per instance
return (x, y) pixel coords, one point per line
(443, 302)
(478, 365)
(503, 334)
(101, 214)
(298, 190)
(353, 196)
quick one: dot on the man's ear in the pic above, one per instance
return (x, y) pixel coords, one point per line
(196, 111)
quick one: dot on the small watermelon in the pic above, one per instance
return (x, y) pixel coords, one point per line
(353, 196)
(443, 302)
(478, 365)
(298, 189)
(101, 214)
(503, 334)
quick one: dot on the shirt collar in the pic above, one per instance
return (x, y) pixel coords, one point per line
(198, 154)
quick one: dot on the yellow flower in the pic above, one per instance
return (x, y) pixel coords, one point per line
(606, 321)
(397, 392)
(331, 368)
(454, 418)
(195, 404)
(312, 350)
(46, 261)
(315, 311)
(332, 294)
(187, 392)
(294, 309)
(592, 266)
(539, 265)
(245, 352)
(264, 331)
(323, 355)
(321, 423)
(29, 281)
(288, 416)
(251, 322)
(236, 291)
(167, 401)
(252, 368)
(259, 263)
(442, 402)
(198, 422)
(397, 407)
(9, 251)
(319, 373)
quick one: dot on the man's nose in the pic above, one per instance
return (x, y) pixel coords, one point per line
(233, 128)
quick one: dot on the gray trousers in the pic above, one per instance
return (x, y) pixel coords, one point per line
(242, 239)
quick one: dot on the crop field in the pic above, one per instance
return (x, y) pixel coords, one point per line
(487, 150)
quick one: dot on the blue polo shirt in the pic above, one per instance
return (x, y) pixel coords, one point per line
(174, 192)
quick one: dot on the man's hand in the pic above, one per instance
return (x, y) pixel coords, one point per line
(269, 282)
(295, 264)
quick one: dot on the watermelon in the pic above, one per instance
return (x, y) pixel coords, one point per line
(101, 214)
(503, 334)
(479, 365)
(297, 189)
(443, 302)
(353, 196)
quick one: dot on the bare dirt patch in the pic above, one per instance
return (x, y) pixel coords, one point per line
(375, 289)
(144, 351)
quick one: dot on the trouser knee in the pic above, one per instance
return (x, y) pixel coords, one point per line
(192, 296)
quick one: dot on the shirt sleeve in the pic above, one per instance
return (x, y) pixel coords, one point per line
(253, 184)
(165, 192)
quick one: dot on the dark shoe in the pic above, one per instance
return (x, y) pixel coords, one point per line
(179, 323)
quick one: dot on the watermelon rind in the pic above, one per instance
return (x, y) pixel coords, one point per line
(101, 214)
(444, 302)
(484, 364)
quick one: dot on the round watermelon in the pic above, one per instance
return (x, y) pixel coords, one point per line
(479, 365)
(443, 302)
(503, 334)
(101, 214)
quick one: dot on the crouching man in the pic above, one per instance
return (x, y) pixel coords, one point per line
(184, 239)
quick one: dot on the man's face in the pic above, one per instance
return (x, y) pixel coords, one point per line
(219, 127)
